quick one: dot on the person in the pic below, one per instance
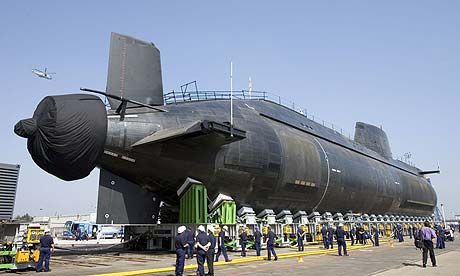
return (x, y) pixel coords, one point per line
(190, 236)
(98, 235)
(360, 234)
(400, 233)
(410, 231)
(46, 248)
(352, 235)
(376, 236)
(78, 234)
(85, 236)
(221, 244)
(211, 251)
(300, 237)
(257, 239)
(441, 234)
(243, 241)
(427, 235)
(340, 237)
(450, 234)
(325, 239)
(368, 236)
(202, 245)
(330, 237)
(181, 247)
(271, 244)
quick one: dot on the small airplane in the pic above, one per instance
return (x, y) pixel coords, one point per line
(42, 74)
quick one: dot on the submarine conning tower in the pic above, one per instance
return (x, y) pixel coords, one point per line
(373, 138)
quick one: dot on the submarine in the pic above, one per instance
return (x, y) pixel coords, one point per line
(148, 143)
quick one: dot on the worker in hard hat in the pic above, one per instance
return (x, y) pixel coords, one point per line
(46, 248)
(202, 245)
(181, 247)
(211, 251)
(221, 244)
(340, 236)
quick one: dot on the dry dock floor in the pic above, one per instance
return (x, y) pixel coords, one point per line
(385, 260)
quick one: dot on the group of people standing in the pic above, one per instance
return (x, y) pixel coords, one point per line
(328, 233)
(357, 235)
(204, 244)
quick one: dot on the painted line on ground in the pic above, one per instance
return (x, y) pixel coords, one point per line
(236, 261)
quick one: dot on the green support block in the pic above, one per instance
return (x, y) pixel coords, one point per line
(193, 202)
(225, 213)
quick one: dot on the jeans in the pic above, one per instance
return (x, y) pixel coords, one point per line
(221, 250)
(300, 244)
(190, 249)
(257, 245)
(200, 258)
(341, 243)
(180, 260)
(270, 250)
(243, 249)
(45, 254)
(210, 261)
(325, 242)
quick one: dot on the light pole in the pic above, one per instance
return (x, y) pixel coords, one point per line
(443, 214)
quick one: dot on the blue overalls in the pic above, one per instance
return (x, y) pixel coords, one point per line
(202, 239)
(325, 239)
(257, 239)
(300, 235)
(46, 243)
(271, 245)
(340, 235)
(243, 242)
(180, 243)
(221, 247)
(330, 236)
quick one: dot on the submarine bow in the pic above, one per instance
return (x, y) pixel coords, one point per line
(66, 134)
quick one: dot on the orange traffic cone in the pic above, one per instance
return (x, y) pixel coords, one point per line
(300, 259)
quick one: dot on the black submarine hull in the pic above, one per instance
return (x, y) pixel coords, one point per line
(286, 161)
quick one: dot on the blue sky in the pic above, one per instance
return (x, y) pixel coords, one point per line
(388, 63)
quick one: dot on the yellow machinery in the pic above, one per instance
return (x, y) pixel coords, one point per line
(287, 229)
(305, 229)
(319, 236)
(26, 256)
(388, 232)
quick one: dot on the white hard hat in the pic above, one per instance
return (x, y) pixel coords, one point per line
(201, 228)
(211, 228)
(181, 229)
(340, 224)
(47, 230)
(225, 227)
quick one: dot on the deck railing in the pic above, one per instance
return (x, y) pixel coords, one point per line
(175, 97)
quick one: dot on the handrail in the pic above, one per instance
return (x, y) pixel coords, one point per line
(176, 97)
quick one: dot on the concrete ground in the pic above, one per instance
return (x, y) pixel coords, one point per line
(401, 259)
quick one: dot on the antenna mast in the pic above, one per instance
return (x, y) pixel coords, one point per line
(231, 98)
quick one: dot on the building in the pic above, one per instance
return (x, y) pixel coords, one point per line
(9, 175)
